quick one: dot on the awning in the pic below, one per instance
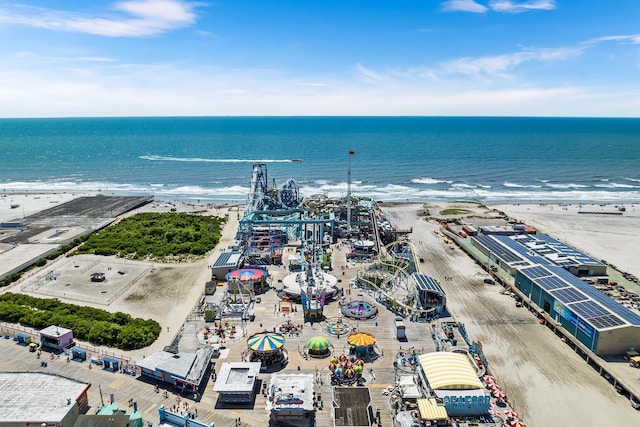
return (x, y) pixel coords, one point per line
(449, 371)
(430, 410)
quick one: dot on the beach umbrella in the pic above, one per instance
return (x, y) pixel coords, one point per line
(510, 413)
(318, 343)
(498, 394)
(361, 339)
(489, 379)
(265, 341)
(493, 386)
(516, 423)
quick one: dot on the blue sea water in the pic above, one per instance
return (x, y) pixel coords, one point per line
(396, 158)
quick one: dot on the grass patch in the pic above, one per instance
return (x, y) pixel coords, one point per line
(454, 211)
(95, 325)
(161, 236)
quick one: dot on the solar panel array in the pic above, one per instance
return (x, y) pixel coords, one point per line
(426, 283)
(563, 248)
(584, 300)
(497, 249)
(538, 248)
(569, 295)
(536, 272)
(606, 321)
(552, 282)
(588, 309)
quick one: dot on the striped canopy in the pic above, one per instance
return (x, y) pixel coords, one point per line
(430, 410)
(318, 343)
(449, 371)
(361, 339)
(265, 341)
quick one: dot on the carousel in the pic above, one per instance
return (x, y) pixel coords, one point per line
(266, 348)
(346, 370)
(363, 344)
(318, 346)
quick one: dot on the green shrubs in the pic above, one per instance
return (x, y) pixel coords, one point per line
(156, 235)
(95, 325)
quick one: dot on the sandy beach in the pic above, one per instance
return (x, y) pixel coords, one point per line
(546, 382)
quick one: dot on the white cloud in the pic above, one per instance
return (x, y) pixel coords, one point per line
(368, 74)
(504, 6)
(133, 18)
(629, 38)
(462, 6)
(499, 64)
(507, 6)
(108, 89)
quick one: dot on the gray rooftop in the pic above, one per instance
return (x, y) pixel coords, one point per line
(54, 331)
(227, 259)
(291, 391)
(237, 377)
(20, 390)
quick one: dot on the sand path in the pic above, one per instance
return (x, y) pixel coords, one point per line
(546, 382)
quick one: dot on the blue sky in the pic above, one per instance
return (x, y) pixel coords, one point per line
(322, 57)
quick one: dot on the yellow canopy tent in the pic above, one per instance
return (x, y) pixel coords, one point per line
(449, 371)
(430, 410)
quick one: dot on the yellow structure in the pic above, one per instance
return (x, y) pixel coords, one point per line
(430, 410)
(449, 371)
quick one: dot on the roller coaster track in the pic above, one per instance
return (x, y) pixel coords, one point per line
(391, 271)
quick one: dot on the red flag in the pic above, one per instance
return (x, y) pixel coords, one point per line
(352, 152)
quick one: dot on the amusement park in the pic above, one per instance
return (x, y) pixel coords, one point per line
(315, 278)
(314, 301)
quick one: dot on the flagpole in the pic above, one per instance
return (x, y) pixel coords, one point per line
(349, 195)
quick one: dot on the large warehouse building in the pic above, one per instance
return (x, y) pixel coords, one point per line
(513, 252)
(597, 321)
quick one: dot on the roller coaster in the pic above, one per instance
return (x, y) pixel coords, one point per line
(274, 216)
(264, 198)
(390, 277)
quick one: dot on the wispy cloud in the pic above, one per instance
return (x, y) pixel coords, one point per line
(462, 6)
(507, 6)
(132, 18)
(368, 74)
(500, 64)
(628, 38)
(502, 6)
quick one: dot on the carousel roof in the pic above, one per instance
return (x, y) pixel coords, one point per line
(265, 341)
(318, 343)
(361, 339)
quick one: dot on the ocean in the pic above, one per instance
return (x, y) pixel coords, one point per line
(209, 159)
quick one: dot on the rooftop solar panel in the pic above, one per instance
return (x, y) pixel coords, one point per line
(588, 309)
(427, 283)
(606, 321)
(552, 282)
(612, 305)
(535, 272)
(567, 295)
(499, 250)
